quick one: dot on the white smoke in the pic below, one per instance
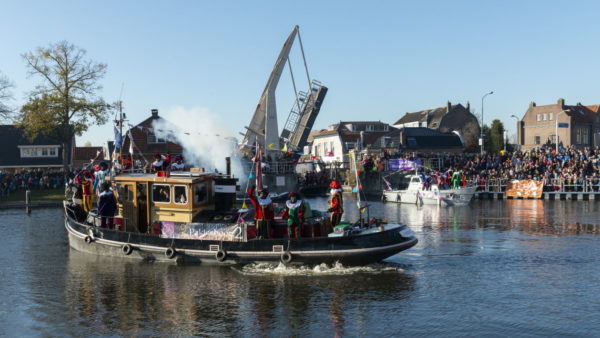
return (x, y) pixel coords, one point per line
(205, 139)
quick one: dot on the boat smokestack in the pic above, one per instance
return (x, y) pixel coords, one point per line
(228, 165)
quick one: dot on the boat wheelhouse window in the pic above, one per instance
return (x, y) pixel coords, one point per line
(200, 193)
(161, 193)
(180, 193)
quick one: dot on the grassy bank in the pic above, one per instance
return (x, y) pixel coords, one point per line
(36, 196)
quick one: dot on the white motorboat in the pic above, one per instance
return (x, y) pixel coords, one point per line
(413, 190)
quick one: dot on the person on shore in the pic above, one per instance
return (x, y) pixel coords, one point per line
(107, 206)
(264, 213)
(86, 179)
(294, 212)
(336, 203)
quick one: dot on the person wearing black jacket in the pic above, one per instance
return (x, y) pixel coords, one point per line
(107, 206)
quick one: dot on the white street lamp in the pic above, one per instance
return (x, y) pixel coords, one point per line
(481, 131)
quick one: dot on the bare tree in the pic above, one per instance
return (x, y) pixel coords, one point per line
(64, 104)
(5, 95)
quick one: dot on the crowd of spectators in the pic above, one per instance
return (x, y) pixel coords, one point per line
(11, 182)
(570, 169)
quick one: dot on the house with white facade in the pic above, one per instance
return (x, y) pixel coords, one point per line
(334, 143)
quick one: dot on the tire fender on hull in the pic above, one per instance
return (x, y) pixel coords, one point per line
(127, 249)
(221, 255)
(88, 239)
(286, 257)
(170, 253)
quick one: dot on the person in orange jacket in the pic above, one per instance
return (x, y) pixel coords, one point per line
(264, 213)
(336, 205)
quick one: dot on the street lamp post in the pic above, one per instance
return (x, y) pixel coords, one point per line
(481, 132)
(556, 124)
(516, 118)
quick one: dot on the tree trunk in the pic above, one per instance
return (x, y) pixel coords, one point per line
(65, 159)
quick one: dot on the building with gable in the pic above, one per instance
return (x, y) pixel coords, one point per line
(20, 153)
(577, 125)
(334, 143)
(452, 118)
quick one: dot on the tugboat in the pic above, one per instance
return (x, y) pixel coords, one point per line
(190, 217)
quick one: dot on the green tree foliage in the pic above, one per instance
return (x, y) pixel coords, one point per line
(64, 104)
(496, 137)
(5, 96)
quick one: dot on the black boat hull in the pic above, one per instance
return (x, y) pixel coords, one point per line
(370, 246)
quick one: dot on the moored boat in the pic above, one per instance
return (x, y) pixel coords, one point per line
(413, 191)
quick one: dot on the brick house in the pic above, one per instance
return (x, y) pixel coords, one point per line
(579, 125)
(447, 119)
(146, 142)
(83, 155)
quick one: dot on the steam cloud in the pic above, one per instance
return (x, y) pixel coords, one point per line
(205, 139)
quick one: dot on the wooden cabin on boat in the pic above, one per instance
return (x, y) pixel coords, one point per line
(145, 199)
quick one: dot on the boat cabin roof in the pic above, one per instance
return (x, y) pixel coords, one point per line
(180, 177)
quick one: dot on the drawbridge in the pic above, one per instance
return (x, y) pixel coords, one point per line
(263, 128)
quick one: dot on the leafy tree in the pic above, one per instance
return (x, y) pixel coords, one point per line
(496, 137)
(5, 96)
(64, 104)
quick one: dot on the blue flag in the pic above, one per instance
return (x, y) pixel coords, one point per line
(118, 138)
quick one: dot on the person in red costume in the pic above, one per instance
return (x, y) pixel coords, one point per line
(264, 214)
(85, 179)
(294, 213)
(336, 204)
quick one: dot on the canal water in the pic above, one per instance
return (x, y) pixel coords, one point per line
(495, 268)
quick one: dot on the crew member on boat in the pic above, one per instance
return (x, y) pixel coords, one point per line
(85, 179)
(336, 204)
(264, 214)
(100, 177)
(158, 164)
(107, 205)
(178, 165)
(294, 212)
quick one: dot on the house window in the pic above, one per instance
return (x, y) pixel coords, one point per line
(545, 116)
(331, 150)
(551, 116)
(161, 193)
(537, 139)
(539, 117)
(153, 139)
(41, 151)
(585, 136)
(370, 127)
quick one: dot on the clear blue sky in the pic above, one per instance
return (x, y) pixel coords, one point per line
(379, 59)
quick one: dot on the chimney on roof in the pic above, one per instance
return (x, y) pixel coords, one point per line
(578, 104)
(448, 106)
(561, 102)
(468, 106)
(531, 104)
(154, 113)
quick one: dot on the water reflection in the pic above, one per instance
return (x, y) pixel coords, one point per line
(117, 296)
